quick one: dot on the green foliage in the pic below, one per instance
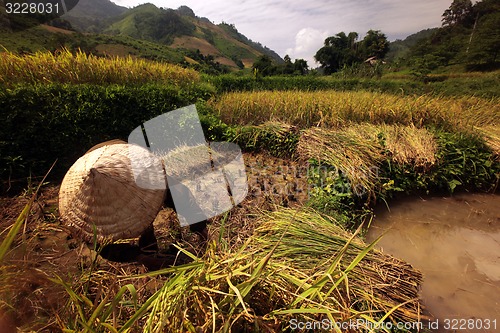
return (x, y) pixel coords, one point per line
(278, 139)
(374, 44)
(484, 85)
(298, 67)
(43, 123)
(458, 12)
(338, 51)
(469, 36)
(230, 82)
(264, 66)
(361, 71)
(154, 24)
(485, 43)
(464, 162)
(213, 127)
(399, 50)
(344, 50)
(205, 64)
(330, 192)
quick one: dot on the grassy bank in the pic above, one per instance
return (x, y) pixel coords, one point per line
(478, 84)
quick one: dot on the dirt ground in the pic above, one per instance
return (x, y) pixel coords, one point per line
(45, 250)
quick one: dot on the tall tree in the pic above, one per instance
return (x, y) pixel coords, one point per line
(375, 44)
(264, 66)
(288, 66)
(459, 12)
(338, 51)
(485, 46)
(300, 66)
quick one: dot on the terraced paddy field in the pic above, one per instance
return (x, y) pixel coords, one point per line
(293, 255)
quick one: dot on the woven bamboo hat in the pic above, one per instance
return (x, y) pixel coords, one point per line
(114, 192)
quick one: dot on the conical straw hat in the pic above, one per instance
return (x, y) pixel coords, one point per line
(114, 192)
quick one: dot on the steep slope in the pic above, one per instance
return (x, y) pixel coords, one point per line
(151, 23)
(182, 29)
(401, 48)
(92, 15)
(146, 31)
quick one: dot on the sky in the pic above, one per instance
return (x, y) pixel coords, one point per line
(299, 27)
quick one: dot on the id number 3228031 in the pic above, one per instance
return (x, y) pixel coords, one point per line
(32, 8)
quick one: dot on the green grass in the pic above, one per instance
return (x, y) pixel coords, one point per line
(462, 84)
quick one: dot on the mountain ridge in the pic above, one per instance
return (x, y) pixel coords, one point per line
(179, 29)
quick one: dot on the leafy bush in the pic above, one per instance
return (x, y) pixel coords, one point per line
(279, 139)
(484, 85)
(226, 83)
(48, 122)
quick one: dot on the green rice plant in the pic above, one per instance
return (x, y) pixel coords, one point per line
(109, 305)
(66, 67)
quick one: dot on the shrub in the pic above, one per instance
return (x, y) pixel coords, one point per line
(48, 122)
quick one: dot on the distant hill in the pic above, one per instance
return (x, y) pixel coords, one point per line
(181, 29)
(146, 31)
(151, 23)
(469, 39)
(92, 15)
(399, 49)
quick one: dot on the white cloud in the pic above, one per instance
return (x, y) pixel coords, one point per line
(307, 42)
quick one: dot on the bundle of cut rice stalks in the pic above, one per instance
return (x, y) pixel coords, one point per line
(334, 269)
(357, 150)
(491, 133)
(354, 151)
(410, 145)
(298, 265)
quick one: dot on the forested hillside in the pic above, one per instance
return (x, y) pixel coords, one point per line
(470, 36)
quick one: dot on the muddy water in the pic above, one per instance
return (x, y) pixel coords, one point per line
(455, 242)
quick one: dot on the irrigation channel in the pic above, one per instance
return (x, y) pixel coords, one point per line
(455, 242)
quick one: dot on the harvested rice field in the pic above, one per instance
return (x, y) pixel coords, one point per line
(298, 252)
(331, 274)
